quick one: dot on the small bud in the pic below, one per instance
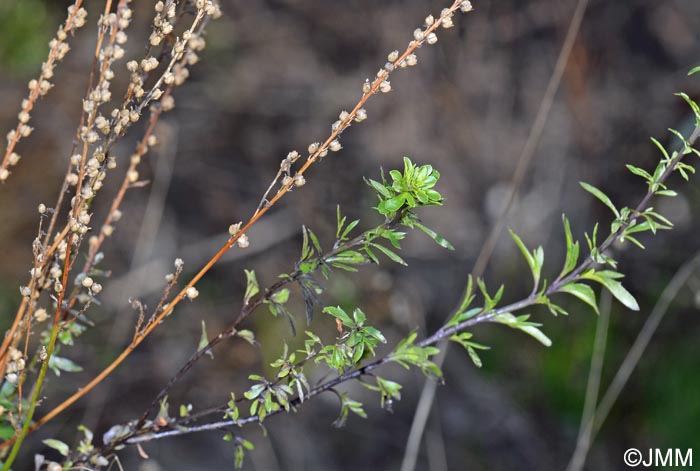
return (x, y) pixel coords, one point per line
(432, 38)
(87, 282)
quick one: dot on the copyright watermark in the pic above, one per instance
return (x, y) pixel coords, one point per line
(656, 457)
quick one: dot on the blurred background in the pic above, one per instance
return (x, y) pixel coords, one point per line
(274, 76)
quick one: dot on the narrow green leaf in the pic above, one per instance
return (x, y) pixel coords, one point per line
(339, 313)
(584, 292)
(441, 241)
(251, 288)
(572, 249)
(601, 196)
(640, 172)
(204, 340)
(468, 295)
(379, 188)
(394, 257)
(529, 328)
(524, 250)
(615, 287)
(57, 445)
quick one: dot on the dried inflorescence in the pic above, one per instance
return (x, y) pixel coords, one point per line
(152, 77)
(41, 86)
(92, 158)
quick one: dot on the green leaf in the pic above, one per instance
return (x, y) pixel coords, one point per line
(661, 167)
(252, 287)
(57, 445)
(640, 172)
(394, 257)
(58, 364)
(520, 323)
(615, 287)
(535, 260)
(670, 193)
(280, 297)
(379, 188)
(339, 313)
(693, 105)
(204, 340)
(694, 70)
(601, 196)
(572, 249)
(468, 295)
(441, 241)
(584, 292)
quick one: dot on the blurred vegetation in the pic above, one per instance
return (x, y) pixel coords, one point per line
(25, 29)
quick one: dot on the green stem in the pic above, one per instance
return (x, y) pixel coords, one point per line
(34, 401)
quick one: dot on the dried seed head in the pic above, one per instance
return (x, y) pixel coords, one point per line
(393, 55)
(418, 34)
(87, 282)
(335, 145)
(243, 241)
(361, 115)
(191, 292)
(299, 180)
(179, 264)
(466, 6)
(432, 38)
(385, 86)
(40, 315)
(313, 147)
(234, 228)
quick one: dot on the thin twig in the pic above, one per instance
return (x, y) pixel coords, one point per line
(374, 88)
(527, 153)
